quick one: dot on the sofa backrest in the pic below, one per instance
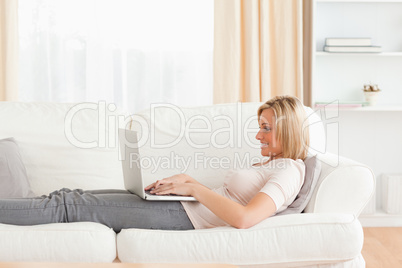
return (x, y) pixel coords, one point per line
(65, 145)
(75, 146)
(205, 141)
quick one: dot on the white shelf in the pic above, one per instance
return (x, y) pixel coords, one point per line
(380, 219)
(394, 108)
(381, 54)
(337, 75)
(374, 109)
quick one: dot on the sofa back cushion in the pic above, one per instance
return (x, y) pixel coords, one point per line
(75, 145)
(13, 176)
(64, 145)
(313, 170)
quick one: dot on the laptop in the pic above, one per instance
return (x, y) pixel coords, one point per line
(133, 180)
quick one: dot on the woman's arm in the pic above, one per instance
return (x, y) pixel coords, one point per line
(259, 208)
(235, 214)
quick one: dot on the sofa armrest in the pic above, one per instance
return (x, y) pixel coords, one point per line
(309, 238)
(344, 186)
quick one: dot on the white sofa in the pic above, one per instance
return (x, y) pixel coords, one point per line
(75, 146)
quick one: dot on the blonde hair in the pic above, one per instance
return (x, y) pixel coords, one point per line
(291, 125)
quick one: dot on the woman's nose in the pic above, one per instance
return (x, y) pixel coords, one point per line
(258, 136)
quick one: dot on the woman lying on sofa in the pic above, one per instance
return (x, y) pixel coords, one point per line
(246, 198)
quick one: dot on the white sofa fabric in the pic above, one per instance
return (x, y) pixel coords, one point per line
(51, 160)
(301, 240)
(345, 186)
(57, 242)
(330, 235)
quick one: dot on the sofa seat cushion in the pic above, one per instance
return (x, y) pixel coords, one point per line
(57, 242)
(301, 239)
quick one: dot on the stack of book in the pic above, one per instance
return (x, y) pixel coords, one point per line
(341, 104)
(350, 45)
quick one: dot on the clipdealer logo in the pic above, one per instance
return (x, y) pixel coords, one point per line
(232, 131)
(108, 123)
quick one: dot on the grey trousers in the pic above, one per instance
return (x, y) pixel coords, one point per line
(117, 209)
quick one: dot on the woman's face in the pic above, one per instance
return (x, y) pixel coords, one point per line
(270, 146)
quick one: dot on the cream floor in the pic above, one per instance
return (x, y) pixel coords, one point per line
(382, 247)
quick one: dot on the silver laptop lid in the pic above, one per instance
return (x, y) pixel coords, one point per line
(129, 152)
(133, 179)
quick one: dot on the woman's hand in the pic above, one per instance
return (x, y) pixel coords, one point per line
(179, 178)
(177, 188)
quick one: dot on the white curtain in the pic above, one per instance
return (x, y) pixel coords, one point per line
(258, 50)
(8, 50)
(129, 52)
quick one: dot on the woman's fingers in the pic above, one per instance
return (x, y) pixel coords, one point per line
(179, 178)
(162, 188)
(159, 182)
(158, 188)
(183, 189)
(152, 185)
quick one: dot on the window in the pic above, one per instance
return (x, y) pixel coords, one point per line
(129, 52)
